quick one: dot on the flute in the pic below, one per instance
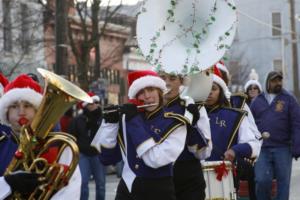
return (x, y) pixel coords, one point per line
(141, 106)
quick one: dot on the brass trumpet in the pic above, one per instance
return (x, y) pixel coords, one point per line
(36, 138)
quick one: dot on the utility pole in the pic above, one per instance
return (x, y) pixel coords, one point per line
(95, 36)
(61, 24)
(294, 49)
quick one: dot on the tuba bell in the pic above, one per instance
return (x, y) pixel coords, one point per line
(181, 36)
(36, 139)
(187, 37)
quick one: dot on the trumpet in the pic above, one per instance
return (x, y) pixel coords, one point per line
(118, 108)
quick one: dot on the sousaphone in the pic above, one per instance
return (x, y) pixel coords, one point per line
(186, 37)
(181, 36)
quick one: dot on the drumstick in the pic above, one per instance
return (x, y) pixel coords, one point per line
(248, 160)
(265, 135)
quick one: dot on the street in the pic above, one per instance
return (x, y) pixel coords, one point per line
(112, 182)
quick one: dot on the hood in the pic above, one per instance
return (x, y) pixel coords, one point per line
(271, 75)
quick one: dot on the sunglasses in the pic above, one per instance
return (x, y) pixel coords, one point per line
(253, 88)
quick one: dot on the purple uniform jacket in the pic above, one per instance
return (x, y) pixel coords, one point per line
(281, 119)
(8, 146)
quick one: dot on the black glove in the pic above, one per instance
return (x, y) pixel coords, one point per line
(296, 156)
(130, 110)
(111, 114)
(193, 108)
(23, 182)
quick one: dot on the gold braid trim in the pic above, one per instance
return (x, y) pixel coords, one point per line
(237, 126)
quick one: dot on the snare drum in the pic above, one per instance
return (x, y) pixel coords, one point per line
(215, 189)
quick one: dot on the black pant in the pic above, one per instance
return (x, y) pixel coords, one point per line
(147, 189)
(245, 172)
(189, 180)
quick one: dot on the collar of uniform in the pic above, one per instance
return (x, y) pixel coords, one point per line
(173, 101)
(212, 109)
(11, 135)
(152, 114)
(200, 103)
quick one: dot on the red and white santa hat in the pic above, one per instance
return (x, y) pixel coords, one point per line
(221, 66)
(93, 96)
(252, 82)
(217, 78)
(22, 88)
(3, 83)
(138, 80)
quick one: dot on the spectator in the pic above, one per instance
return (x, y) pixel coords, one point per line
(84, 128)
(245, 170)
(277, 112)
(252, 90)
(66, 120)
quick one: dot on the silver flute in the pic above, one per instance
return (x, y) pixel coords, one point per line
(141, 106)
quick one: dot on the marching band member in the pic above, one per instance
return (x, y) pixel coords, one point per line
(5, 133)
(232, 137)
(231, 134)
(240, 101)
(150, 140)
(188, 176)
(18, 106)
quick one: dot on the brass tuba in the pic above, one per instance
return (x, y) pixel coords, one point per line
(36, 138)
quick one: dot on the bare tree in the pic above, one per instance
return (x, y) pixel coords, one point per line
(21, 44)
(86, 23)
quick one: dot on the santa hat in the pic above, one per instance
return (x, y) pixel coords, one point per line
(221, 66)
(93, 96)
(23, 88)
(217, 78)
(3, 83)
(138, 80)
(252, 82)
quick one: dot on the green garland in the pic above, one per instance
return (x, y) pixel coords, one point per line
(198, 35)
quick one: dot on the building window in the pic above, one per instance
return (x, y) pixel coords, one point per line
(276, 22)
(25, 27)
(277, 65)
(7, 32)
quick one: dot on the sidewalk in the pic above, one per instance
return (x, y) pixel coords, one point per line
(111, 188)
(112, 183)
